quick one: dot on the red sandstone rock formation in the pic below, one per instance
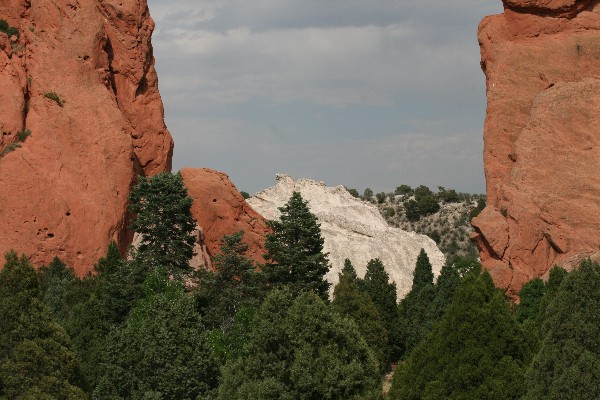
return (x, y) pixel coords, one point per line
(541, 59)
(64, 191)
(219, 209)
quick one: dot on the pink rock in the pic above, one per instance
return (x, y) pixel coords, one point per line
(64, 192)
(541, 151)
(219, 209)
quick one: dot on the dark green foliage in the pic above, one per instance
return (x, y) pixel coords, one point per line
(164, 220)
(161, 351)
(234, 284)
(480, 206)
(36, 356)
(301, 349)
(422, 275)
(350, 302)
(531, 296)
(411, 209)
(567, 365)
(382, 292)
(23, 135)
(54, 97)
(381, 197)
(56, 282)
(9, 30)
(404, 190)
(295, 250)
(368, 194)
(448, 196)
(348, 269)
(353, 192)
(245, 195)
(9, 148)
(475, 352)
(435, 235)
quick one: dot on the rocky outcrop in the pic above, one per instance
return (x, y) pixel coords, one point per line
(541, 59)
(80, 78)
(352, 229)
(219, 209)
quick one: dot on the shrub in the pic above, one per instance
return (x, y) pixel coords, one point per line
(24, 134)
(54, 97)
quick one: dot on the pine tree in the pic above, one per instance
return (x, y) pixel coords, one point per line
(300, 349)
(161, 350)
(422, 275)
(163, 217)
(295, 250)
(350, 302)
(376, 284)
(567, 365)
(36, 355)
(475, 352)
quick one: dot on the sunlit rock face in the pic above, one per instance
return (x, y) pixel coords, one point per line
(541, 59)
(352, 229)
(80, 78)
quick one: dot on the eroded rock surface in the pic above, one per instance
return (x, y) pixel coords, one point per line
(541, 59)
(219, 209)
(80, 77)
(352, 229)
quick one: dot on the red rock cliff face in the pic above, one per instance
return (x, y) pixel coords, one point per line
(219, 209)
(64, 191)
(541, 59)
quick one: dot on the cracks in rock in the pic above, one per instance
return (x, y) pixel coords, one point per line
(110, 79)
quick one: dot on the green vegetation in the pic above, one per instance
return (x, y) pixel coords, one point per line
(164, 220)
(295, 250)
(54, 97)
(21, 137)
(9, 30)
(146, 327)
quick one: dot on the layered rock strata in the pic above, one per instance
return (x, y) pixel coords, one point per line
(352, 229)
(219, 209)
(79, 80)
(541, 59)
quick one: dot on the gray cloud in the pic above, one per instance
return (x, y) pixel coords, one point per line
(349, 92)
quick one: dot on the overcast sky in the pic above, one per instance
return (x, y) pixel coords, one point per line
(351, 92)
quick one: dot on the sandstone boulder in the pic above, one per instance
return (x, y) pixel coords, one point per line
(352, 229)
(541, 59)
(80, 77)
(219, 209)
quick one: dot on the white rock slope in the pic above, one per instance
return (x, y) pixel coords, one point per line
(352, 229)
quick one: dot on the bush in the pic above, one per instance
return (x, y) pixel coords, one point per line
(54, 97)
(9, 30)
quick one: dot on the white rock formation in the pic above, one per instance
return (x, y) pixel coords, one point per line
(352, 229)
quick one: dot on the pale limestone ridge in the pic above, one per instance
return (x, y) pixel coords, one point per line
(352, 229)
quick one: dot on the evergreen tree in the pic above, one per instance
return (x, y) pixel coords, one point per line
(163, 217)
(295, 250)
(475, 352)
(348, 269)
(301, 349)
(36, 356)
(56, 283)
(422, 275)
(382, 292)
(531, 296)
(567, 365)
(161, 351)
(234, 285)
(350, 302)
(416, 309)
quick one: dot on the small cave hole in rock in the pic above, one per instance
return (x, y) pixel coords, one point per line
(51, 235)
